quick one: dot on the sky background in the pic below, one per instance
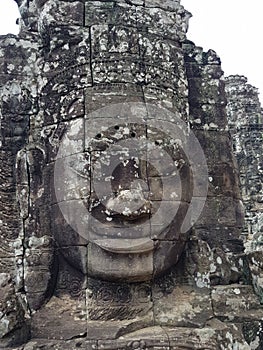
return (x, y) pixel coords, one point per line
(232, 28)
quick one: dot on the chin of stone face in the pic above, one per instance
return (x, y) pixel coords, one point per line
(131, 184)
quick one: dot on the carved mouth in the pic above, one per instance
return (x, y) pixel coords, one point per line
(126, 246)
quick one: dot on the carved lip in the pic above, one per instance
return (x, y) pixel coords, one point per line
(126, 246)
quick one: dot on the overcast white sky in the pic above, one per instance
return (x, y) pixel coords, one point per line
(232, 28)
(8, 15)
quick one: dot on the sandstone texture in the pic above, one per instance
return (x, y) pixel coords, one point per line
(246, 124)
(131, 184)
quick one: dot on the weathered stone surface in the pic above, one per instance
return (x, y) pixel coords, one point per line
(119, 301)
(13, 326)
(120, 208)
(192, 307)
(236, 301)
(245, 121)
(59, 345)
(255, 259)
(62, 318)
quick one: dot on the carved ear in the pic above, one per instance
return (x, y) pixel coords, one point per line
(39, 271)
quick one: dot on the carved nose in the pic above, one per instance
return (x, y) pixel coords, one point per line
(129, 204)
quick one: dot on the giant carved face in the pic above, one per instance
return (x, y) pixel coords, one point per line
(125, 180)
(125, 169)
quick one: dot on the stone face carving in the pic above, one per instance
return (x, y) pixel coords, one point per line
(121, 214)
(245, 116)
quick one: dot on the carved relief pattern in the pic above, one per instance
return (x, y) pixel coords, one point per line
(81, 283)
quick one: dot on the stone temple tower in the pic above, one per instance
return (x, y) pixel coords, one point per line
(246, 123)
(120, 208)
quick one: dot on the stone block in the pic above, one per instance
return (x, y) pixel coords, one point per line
(236, 302)
(64, 107)
(165, 54)
(124, 302)
(72, 174)
(207, 71)
(223, 180)
(70, 223)
(224, 211)
(38, 223)
(13, 328)
(151, 338)
(62, 318)
(70, 278)
(66, 104)
(256, 269)
(66, 47)
(102, 95)
(114, 41)
(170, 188)
(226, 238)
(208, 115)
(162, 23)
(186, 306)
(166, 255)
(168, 219)
(11, 223)
(76, 256)
(210, 93)
(216, 147)
(36, 281)
(118, 70)
(63, 13)
(61, 345)
(213, 335)
(97, 13)
(13, 57)
(8, 161)
(64, 140)
(116, 139)
(161, 77)
(165, 98)
(133, 267)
